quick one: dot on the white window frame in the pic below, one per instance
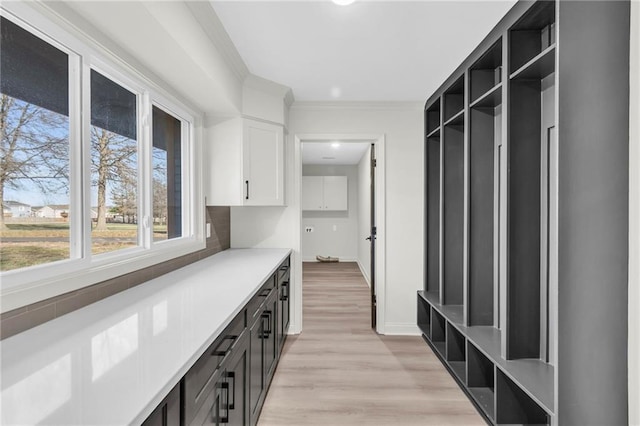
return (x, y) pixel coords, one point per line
(29, 285)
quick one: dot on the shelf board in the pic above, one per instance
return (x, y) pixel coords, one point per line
(456, 120)
(539, 67)
(430, 296)
(459, 368)
(434, 132)
(491, 99)
(485, 398)
(452, 313)
(532, 375)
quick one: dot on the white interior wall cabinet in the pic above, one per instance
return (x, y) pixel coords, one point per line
(324, 193)
(245, 163)
(526, 217)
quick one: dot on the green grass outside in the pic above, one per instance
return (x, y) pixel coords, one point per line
(16, 255)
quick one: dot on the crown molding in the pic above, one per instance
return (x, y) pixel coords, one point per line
(206, 16)
(359, 105)
(267, 86)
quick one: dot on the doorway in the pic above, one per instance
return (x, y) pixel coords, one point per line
(320, 166)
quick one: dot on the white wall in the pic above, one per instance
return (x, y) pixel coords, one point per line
(171, 45)
(402, 125)
(364, 215)
(634, 222)
(335, 232)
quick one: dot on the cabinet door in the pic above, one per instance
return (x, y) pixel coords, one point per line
(335, 193)
(283, 313)
(256, 378)
(168, 412)
(263, 164)
(312, 189)
(236, 377)
(270, 336)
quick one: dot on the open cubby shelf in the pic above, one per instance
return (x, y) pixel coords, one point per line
(432, 117)
(518, 140)
(514, 406)
(454, 99)
(486, 73)
(539, 67)
(424, 317)
(484, 138)
(480, 380)
(530, 36)
(453, 215)
(484, 343)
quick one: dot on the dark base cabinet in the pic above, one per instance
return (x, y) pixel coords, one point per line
(284, 301)
(229, 382)
(168, 412)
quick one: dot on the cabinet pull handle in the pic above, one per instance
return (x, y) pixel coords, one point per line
(247, 183)
(266, 331)
(265, 292)
(225, 388)
(232, 375)
(217, 352)
(285, 291)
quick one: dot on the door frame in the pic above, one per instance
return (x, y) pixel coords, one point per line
(380, 202)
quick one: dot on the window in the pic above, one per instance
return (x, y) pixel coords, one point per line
(92, 186)
(114, 166)
(167, 176)
(34, 150)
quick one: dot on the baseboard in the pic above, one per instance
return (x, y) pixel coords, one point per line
(313, 259)
(401, 329)
(364, 274)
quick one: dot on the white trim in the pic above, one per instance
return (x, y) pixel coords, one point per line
(312, 259)
(363, 271)
(380, 271)
(210, 23)
(386, 106)
(29, 285)
(402, 329)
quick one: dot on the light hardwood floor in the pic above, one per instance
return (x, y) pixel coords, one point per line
(340, 372)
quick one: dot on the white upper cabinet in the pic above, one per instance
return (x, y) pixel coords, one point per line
(312, 189)
(327, 193)
(245, 164)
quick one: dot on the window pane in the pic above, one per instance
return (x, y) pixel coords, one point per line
(114, 166)
(167, 176)
(34, 150)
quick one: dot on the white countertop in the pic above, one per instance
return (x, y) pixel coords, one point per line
(112, 362)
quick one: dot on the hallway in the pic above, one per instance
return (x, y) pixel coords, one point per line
(340, 372)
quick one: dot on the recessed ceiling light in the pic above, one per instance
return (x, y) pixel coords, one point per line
(335, 145)
(343, 2)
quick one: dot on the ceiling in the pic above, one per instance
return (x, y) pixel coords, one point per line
(370, 51)
(334, 153)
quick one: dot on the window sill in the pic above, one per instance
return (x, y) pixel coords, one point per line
(20, 295)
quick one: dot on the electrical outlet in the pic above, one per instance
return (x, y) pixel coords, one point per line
(308, 229)
(335, 228)
(208, 230)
